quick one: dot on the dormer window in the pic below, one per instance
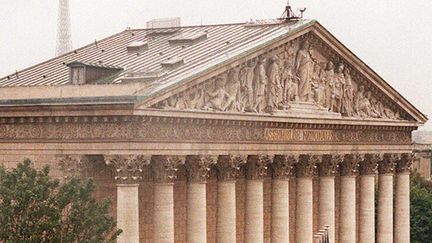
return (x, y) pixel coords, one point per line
(172, 63)
(87, 73)
(137, 47)
(188, 38)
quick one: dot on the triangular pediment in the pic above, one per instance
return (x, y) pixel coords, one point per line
(307, 72)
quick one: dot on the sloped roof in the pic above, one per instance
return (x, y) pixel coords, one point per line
(223, 44)
(112, 51)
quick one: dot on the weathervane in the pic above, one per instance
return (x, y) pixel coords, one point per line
(289, 14)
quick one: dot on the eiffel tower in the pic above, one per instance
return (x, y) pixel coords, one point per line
(64, 40)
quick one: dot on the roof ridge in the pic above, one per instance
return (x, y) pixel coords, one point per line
(210, 25)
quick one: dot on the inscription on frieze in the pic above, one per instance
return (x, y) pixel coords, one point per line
(278, 134)
(309, 135)
(194, 132)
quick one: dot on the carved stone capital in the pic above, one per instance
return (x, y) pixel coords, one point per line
(351, 164)
(229, 166)
(404, 164)
(330, 164)
(128, 168)
(256, 166)
(388, 164)
(369, 165)
(198, 167)
(284, 166)
(165, 167)
(308, 165)
(75, 165)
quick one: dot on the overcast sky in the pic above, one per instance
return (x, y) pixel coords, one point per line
(394, 37)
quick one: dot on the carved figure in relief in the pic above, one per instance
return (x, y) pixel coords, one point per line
(348, 95)
(304, 68)
(336, 87)
(328, 77)
(275, 79)
(364, 105)
(246, 79)
(377, 108)
(289, 82)
(232, 87)
(195, 99)
(274, 87)
(260, 84)
(318, 86)
(219, 99)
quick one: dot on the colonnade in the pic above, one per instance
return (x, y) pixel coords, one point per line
(393, 220)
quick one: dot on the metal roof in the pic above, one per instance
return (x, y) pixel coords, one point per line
(222, 41)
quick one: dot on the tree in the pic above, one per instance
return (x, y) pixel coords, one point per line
(36, 208)
(421, 209)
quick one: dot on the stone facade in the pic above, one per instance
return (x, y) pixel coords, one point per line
(272, 145)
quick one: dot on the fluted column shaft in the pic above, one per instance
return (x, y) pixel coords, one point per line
(198, 168)
(326, 207)
(228, 171)
(402, 200)
(368, 170)
(196, 213)
(306, 169)
(256, 169)
(163, 213)
(367, 209)
(385, 200)
(385, 208)
(402, 208)
(280, 210)
(347, 222)
(283, 169)
(128, 212)
(226, 214)
(165, 173)
(254, 231)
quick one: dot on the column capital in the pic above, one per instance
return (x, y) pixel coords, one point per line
(229, 166)
(75, 165)
(198, 167)
(404, 164)
(307, 165)
(350, 164)
(284, 166)
(330, 164)
(388, 164)
(128, 168)
(165, 167)
(256, 166)
(369, 165)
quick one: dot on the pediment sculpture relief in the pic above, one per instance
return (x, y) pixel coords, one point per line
(296, 75)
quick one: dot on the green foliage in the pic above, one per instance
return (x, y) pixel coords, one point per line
(36, 208)
(421, 209)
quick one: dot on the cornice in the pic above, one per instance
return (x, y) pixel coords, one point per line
(266, 123)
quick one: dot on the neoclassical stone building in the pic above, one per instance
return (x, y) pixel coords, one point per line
(254, 132)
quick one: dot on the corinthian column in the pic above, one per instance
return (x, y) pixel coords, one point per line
(348, 169)
(306, 168)
(326, 211)
(256, 169)
(368, 170)
(198, 168)
(128, 173)
(283, 169)
(385, 198)
(402, 200)
(228, 171)
(164, 173)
